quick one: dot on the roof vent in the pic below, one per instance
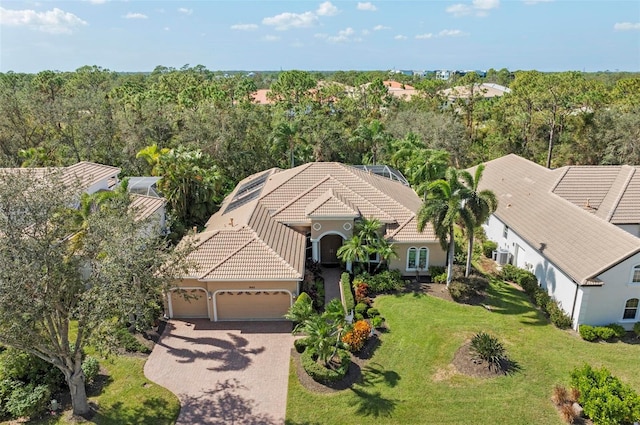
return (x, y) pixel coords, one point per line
(231, 221)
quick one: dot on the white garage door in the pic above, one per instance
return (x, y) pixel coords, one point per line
(194, 305)
(252, 305)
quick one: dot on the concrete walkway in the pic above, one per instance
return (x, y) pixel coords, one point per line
(331, 277)
(224, 372)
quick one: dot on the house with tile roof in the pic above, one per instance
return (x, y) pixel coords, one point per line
(576, 229)
(89, 177)
(249, 262)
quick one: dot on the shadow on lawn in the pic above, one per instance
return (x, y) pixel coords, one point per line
(152, 411)
(371, 403)
(504, 299)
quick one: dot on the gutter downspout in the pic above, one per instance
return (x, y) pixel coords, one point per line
(575, 298)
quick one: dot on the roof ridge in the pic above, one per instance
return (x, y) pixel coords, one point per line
(362, 198)
(325, 178)
(613, 208)
(353, 170)
(555, 185)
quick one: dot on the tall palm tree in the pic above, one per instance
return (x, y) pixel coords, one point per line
(386, 250)
(444, 207)
(481, 204)
(368, 231)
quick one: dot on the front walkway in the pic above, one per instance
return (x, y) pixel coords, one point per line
(224, 372)
(331, 277)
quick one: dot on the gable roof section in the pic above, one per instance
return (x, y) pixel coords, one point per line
(628, 208)
(408, 232)
(81, 175)
(578, 242)
(331, 204)
(144, 206)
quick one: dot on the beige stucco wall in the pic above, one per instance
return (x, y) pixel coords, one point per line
(437, 256)
(328, 226)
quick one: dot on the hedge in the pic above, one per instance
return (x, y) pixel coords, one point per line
(346, 290)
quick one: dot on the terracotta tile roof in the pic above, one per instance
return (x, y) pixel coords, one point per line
(81, 175)
(331, 204)
(254, 240)
(408, 232)
(610, 192)
(576, 241)
(144, 206)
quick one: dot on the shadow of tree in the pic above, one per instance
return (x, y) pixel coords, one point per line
(222, 405)
(375, 373)
(98, 385)
(234, 354)
(373, 404)
(152, 411)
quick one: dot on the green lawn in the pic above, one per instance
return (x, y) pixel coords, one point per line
(128, 397)
(410, 380)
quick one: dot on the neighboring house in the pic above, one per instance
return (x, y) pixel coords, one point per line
(249, 262)
(570, 227)
(484, 90)
(89, 177)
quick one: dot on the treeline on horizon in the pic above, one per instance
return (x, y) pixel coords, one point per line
(93, 114)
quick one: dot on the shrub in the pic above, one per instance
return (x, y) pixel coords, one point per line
(361, 290)
(361, 308)
(129, 342)
(541, 298)
(377, 321)
(358, 316)
(489, 349)
(588, 333)
(618, 330)
(604, 333)
(386, 281)
(300, 344)
(557, 316)
(372, 312)
(636, 329)
(459, 291)
(605, 399)
(529, 282)
(488, 247)
(91, 368)
(28, 400)
(357, 336)
(510, 272)
(346, 289)
(437, 270)
(321, 373)
(439, 278)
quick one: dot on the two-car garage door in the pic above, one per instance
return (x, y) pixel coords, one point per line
(231, 304)
(252, 305)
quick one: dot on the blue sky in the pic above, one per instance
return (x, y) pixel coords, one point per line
(248, 35)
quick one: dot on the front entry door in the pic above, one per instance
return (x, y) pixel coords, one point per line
(329, 249)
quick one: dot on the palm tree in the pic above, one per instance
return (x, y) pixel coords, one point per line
(480, 204)
(323, 337)
(353, 250)
(386, 250)
(367, 229)
(284, 136)
(444, 207)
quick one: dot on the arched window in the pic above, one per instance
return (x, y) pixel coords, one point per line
(417, 258)
(630, 309)
(635, 274)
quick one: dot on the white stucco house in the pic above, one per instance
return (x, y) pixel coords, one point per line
(576, 228)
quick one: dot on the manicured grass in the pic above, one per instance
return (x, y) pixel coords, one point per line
(410, 380)
(128, 397)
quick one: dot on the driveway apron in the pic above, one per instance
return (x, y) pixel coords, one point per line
(224, 372)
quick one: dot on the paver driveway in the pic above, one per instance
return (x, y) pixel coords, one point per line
(224, 373)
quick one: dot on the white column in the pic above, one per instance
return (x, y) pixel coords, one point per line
(315, 250)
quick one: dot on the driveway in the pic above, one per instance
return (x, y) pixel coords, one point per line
(224, 372)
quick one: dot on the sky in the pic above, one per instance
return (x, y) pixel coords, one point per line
(137, 35)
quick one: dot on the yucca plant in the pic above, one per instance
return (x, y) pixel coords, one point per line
(489, 349)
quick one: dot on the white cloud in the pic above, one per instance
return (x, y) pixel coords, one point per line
(54, 21)
(287, 20)
(451, 33)
(97, 1)
(424, 36)
(368, 6)
(327, 9)
(166, 28)
(132, 15)
(627, 26)
(244, 27)
(185, 11)
(477, 7)
(271, 38)
(343, 36)
(380, 28)
(365, 32)
(532, 2)
(400, 37)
